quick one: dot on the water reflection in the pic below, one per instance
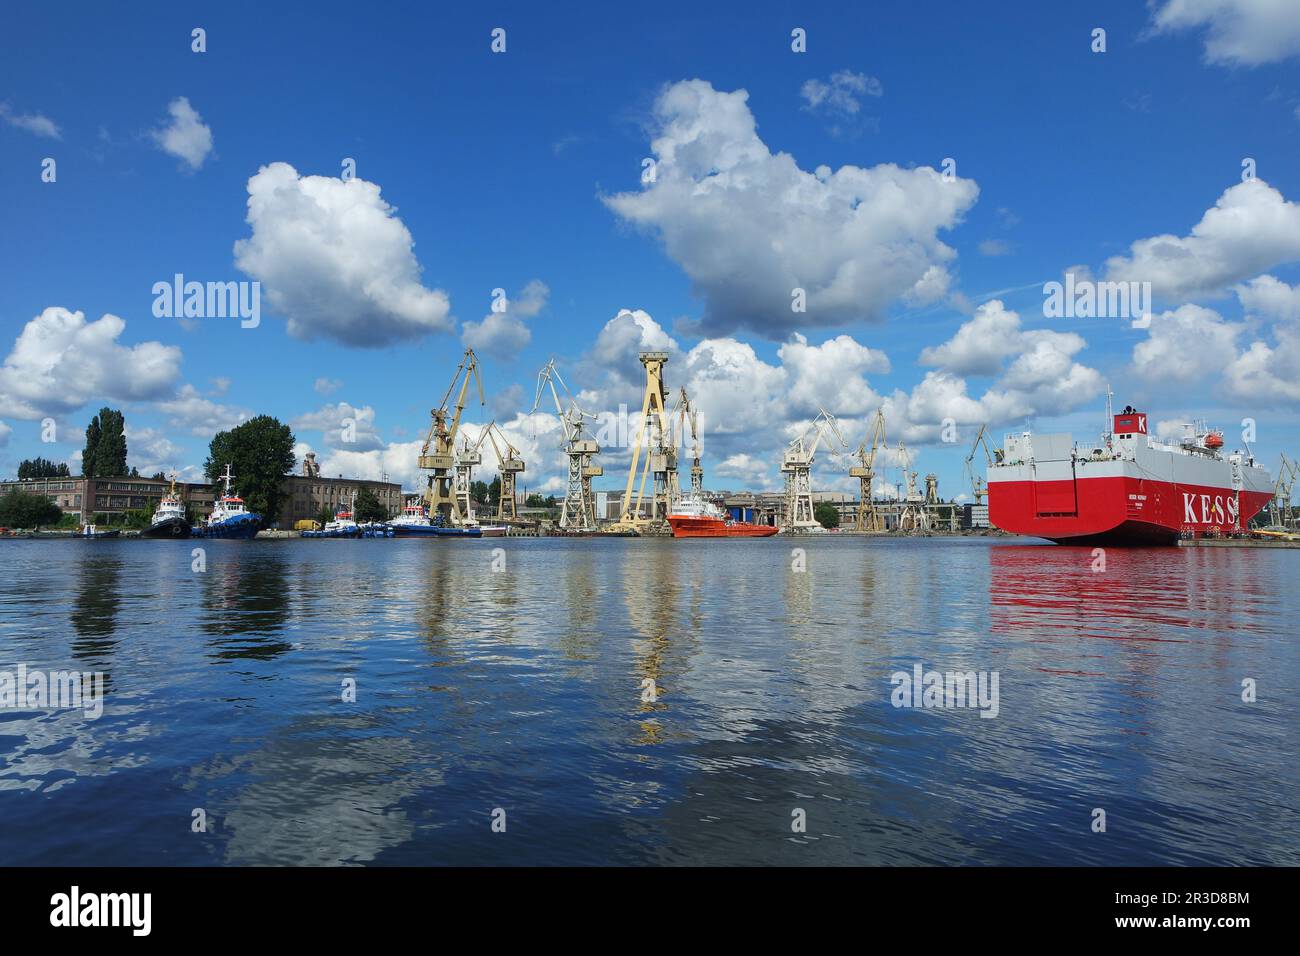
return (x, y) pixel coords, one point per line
(1119, 689)
(95, 607)
(1137, 594)
(245, 602)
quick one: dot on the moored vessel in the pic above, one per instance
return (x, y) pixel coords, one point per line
(93, 531)
(1131, 488)
(414, 522)
(694, 517)
(169, 519)
(229, 518)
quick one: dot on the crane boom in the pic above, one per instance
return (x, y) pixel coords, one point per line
(438, 453)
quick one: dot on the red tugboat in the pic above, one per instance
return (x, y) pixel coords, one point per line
(1131, 489)
(696, 518)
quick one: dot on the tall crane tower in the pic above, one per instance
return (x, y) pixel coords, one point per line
(976, 482)
(467, 457)
(510, 466)
(689, 418)
(438, 453)
(912, 516)
(579, 511)
(796, 465)
(1281, 508)
(660, 462)
(868, 517)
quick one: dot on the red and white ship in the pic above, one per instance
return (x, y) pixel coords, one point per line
(1130, 489)
(693, 517)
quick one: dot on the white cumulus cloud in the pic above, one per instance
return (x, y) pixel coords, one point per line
(1237, 32)
(59, 362)
(1252, 227)
(343, 426)
(748, 226)
(190, 412)
(333, 257)
(503, 335)
(185, 135)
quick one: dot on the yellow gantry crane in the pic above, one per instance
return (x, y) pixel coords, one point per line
(660, 459)
(510, 466)
(868, 517)
(438, 453)
(470, 454)
(579, 511)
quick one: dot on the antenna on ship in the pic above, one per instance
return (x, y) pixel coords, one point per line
(1110, 413)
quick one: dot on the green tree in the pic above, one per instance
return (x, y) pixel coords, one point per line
(18, 509)
(535, 500)
(41, 468)
(827, 515)
(478, 490)
(260, 454)
(494, 491)
(93, 432)
(105, 452)
(368, 506)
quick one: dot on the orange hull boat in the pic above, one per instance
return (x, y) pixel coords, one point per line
(691, 526)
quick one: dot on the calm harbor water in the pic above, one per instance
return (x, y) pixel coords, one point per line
(521, 689)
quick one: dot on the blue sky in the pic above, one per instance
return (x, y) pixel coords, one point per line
(501, 170)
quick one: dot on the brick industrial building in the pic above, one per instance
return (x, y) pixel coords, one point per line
(102, 500)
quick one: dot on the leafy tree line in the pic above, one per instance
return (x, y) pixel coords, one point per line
(21, 509)
(41, 468)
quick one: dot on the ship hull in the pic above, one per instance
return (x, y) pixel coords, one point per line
(1120, 510)
(432, 531)
(691, 526)
(170, 528)
(242, 527)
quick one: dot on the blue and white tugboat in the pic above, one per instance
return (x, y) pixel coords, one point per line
(343, 526)
(229, 518)
(415, 522)
(169, 520)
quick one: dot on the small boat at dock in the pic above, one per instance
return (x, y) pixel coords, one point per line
(93, 531)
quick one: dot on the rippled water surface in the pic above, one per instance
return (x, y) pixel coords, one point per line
(521, 689)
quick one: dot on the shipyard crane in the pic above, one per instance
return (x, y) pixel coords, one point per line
(470, 454)
(868, 517)
(438, 453)
(978, 484)
(796, 465)
(510, 466)
(579, 511)
(688, 417)
(1287, 472)
(912, 515)
(659, 463)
